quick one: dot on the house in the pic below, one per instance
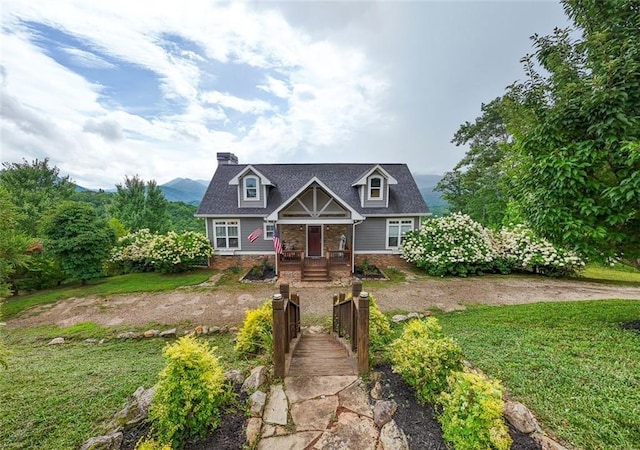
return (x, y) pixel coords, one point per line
(324, 218)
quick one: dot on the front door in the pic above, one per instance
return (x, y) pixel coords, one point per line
(314, 240)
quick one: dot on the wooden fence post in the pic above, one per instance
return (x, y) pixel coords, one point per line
(278, 335)
(363, 333)
(284, 290)
(356, 289)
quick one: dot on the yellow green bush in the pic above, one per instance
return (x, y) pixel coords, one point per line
(379, 327)
(471, 416)
(256, 335)
(151, 444)
(190, 394)
(425, 362)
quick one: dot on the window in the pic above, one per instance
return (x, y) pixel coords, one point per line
(375, 188)
(251, 188)
(396, 231)
(226, 234)
(268, 231)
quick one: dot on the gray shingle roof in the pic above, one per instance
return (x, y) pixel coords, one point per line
(222, 198)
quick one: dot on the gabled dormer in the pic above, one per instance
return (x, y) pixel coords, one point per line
(253, 188)
(373, 187)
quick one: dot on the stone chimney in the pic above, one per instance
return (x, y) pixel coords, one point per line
(226, 158)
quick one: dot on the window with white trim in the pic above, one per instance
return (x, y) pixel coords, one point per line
(251, 191)
(268, 231)
(375, 188)
(396, 231)
(226, 234)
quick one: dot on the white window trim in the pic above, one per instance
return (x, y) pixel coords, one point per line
(400, 221)
(370, 188)
(215, 236)
(244, 188)
(264, 231)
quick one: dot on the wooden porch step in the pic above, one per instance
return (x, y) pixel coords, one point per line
(319, 355)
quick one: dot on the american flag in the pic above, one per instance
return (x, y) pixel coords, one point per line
(255, 234)
(277, 244)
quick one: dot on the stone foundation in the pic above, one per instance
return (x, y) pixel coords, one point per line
(222, 262)
(382, 261)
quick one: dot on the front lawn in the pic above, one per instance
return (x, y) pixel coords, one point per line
(56, 397)
(572, 363)
(616, 273)
(121, 284)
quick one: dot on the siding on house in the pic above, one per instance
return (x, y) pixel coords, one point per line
(382, 202)
(248, 226)
(371, 235)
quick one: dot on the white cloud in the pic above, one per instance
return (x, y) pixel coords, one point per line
(239, 104)
(87, 59)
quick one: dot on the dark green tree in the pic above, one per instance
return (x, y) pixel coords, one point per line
(80, 238)
(140, 205)
(34, 188)
(182, 219)
(15, 246)
(574, 171)
(475, 186)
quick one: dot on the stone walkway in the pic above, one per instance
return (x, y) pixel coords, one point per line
(322, 412)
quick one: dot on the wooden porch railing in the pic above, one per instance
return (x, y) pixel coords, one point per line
(351, 320)
(339, 257)
(286, 326)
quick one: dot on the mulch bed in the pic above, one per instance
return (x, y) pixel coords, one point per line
(418, 421)
(633, 325)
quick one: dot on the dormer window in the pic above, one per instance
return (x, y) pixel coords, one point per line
(251, 191)
(375, 188)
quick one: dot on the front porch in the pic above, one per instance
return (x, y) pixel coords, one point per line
(318, 252)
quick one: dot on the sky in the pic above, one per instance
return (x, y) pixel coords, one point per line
(156, 89)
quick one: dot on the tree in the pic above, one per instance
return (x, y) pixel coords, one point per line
(80, 238)
(575, 166)
(34, 188)
(474, 186)
(182, 218)
(14, 246)
(140, 205)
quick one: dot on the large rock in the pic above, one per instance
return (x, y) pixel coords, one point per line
(108, 442)
(253, 430)
(136, 411)
(56, 341)
(257, 378)
(399, 318)
(235, 376)
(392, 437)
(277, 408)
(546, 443)
(355, 399)
(289, 442)
(151, 333)
(170, 333)
(256, 403)
(383, 412)
(520, 417)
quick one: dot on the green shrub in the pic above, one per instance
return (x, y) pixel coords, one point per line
(190, 394)
(379, 327)
(256, 335)
(151, 444)
(471, 416)
(423, 361)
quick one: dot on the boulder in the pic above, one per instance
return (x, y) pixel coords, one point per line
(399, 318)
(254, 424)
(56, 341)
(136, 411)
(235, 376)
(413, 315)
(128, 335)
(276, 411)
(383, 412)
(392, 437)
(170, 333)
(256, 403)
(257, 378)
(520, 417)
(108, 442)
(151, 333)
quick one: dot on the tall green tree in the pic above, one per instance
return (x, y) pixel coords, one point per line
(34, 188)
(15, 246)
(140, 205)
(475, 186)
(80, 238)
(575, 167)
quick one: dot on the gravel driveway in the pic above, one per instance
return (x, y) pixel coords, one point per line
(210, 305)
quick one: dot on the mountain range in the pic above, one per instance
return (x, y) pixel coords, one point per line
(191, 191)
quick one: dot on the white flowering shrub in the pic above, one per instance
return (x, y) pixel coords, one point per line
(527, 252)
(172, 252)
(450, 245)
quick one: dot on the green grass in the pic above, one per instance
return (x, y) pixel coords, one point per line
(571, 363)
(121, 284)
(56, 397)
(618, 273)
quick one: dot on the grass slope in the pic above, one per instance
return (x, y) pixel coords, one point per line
(571, 363)
(122, 284)
(56, 397)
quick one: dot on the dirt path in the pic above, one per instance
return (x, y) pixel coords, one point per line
(226, 306)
